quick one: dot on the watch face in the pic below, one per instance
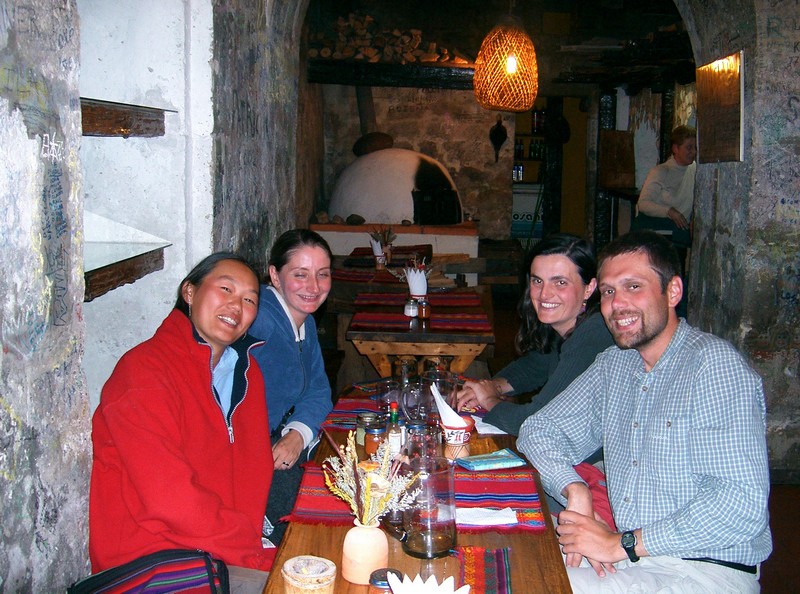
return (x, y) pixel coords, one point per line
(628, 540)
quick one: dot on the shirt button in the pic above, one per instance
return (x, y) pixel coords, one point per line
(644, 388)
(636, 463)
(669, 423)
(627, 500)
(636, 425)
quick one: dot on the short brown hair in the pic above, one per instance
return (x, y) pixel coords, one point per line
(681, 134)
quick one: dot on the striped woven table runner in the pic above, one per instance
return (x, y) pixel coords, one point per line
(364, 320)
(435, 299)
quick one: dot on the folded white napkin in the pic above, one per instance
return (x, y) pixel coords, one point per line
(450, 418)
(377, 250)
(485, 428)
(417, 586)
(417, 281)
(485, 516)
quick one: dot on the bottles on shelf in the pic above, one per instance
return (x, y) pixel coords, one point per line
(537, 120)
(518, 172)
(536, 149)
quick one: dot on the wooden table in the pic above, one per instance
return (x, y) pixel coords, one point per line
(419, 339)
(535, 559)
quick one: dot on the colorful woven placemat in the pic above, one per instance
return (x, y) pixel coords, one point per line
(343, 416)
(487, 571)
(516, 489)
(435, 299)
(363, 320)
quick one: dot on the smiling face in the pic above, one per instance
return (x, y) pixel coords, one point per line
(557, 291)
(638, 312)
(304, 281)
(223, 304)
(686, 152)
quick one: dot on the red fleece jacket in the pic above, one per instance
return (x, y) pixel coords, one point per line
(166, 473)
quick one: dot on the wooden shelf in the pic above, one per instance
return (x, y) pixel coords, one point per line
(106, 118)
(128, 262)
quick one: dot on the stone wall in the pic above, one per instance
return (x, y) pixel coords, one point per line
(256, 73)
(447, 125)
(45, 454)
(745, 264)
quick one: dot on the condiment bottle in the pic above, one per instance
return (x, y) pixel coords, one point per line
(424, 309)
(393, 432)
(411, 308)
(374, 435)
(379, 580)
(362, 420)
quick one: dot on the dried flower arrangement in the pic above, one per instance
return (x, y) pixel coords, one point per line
(372, 487)
(384, 235)
(413, 267)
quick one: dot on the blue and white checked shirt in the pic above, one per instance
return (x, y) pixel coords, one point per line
(685, 447)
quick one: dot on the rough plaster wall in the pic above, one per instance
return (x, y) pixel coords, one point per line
(449, 126)
(746, 273)
(44, 414)
(157, 54)
(256, 72)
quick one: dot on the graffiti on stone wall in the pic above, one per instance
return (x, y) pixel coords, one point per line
(35, 249)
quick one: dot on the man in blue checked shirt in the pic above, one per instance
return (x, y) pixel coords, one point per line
(681, 417)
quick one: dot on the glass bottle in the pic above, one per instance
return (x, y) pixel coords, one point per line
(411, 308)
(393, 432)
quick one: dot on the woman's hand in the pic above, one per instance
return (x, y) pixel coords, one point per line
(287, 450)
(484, 393)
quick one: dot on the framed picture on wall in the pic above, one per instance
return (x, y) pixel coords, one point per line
(720, 116)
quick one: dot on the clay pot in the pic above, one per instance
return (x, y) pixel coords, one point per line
(365, 549)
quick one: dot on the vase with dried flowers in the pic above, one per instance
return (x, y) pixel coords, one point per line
(372, 488)
(384, 236)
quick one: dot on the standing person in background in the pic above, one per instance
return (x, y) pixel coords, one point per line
(297, 387)
(181, 447)
(667, 198)
(560, 335)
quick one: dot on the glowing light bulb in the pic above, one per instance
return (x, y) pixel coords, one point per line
(511, 64)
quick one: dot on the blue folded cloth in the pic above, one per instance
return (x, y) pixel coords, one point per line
(504, 458)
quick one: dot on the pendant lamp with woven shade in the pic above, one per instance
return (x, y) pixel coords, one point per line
(506, 75)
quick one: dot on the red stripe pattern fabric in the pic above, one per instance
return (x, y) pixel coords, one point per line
(443, 321)
(487, 571)
(435, 299)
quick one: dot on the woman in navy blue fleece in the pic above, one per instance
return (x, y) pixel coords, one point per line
(298, 391)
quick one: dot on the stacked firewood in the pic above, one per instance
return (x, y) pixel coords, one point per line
(358, 37)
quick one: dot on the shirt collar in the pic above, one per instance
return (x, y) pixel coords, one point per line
(299, 333)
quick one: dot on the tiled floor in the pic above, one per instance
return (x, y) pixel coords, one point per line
(781, 572)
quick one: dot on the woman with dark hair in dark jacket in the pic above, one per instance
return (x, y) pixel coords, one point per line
(560, 335)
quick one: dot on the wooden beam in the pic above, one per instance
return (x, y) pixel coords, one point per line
(421, 76)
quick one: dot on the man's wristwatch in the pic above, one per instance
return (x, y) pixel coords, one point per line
(628, 542)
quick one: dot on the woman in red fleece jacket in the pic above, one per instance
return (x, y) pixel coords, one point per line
(182, 455)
